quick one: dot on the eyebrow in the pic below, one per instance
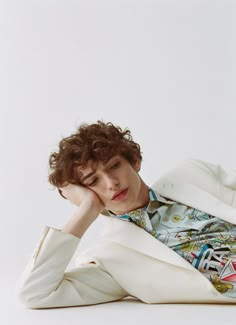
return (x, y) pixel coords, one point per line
(87, 176)
(94, 172)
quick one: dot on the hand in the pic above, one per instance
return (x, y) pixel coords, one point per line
(90, 206)
(78, 194)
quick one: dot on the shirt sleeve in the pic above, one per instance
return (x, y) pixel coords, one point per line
(46, 284)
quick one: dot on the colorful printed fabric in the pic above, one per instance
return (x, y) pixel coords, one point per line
(206, 242)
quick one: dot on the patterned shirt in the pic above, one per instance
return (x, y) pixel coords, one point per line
(208, 243)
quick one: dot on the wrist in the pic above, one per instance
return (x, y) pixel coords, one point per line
(82, 218)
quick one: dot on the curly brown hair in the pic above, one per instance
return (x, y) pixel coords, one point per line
(92, 142)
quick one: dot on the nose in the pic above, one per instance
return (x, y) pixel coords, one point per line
(112, 183)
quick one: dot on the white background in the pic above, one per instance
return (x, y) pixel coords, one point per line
(166, 69)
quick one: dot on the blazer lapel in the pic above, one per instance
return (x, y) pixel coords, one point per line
(129, 235)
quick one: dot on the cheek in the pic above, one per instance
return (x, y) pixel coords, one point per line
(99, 192)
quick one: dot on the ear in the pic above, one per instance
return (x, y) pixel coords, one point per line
(137, 165)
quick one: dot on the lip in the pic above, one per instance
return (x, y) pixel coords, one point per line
(119, 195)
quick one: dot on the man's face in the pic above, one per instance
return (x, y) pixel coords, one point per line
(117, 183)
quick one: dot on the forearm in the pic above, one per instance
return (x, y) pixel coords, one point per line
(45, 269)
(80, 221)
(46, 284)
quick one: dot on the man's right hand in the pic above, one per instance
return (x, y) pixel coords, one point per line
(77, 194)
(89, 207)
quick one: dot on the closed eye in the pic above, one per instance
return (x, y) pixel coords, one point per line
(94, 182)
(116, 165)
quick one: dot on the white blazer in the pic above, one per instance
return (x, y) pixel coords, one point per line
(128, 261)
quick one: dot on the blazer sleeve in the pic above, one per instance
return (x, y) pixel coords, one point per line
(214, 179)
(226, 176)
(46, 284)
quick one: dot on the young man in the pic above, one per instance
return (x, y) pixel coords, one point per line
(172, 242)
